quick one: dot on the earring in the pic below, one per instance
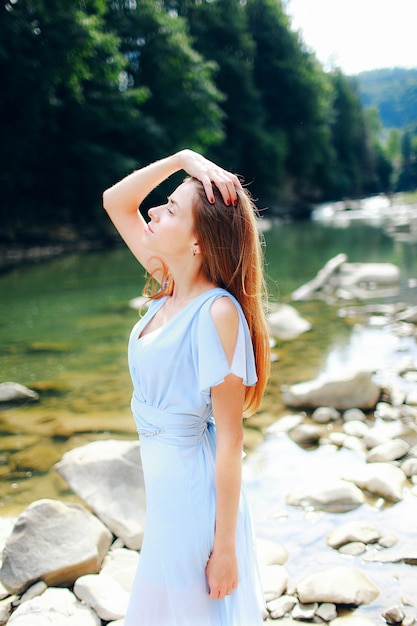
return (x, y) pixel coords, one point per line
(194, 251)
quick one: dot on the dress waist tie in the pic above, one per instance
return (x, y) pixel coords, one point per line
(172, 428)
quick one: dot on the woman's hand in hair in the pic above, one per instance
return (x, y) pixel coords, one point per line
(209, 173)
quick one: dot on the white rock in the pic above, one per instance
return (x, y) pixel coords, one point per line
(339, 584)
(388, 541)
(394, 615)
(327, 611)
(388, 451)
(55, 606)
(281, 606)
(103, 594)
(285, 424)
(363, 531)
(306, 434)
(343, 392)
(108, 476)
(374, 437)
(274, 580)
(55, 542)
(270, 553)
(325, 414)
(304, 612)
(286, 323)
(121, 564)
(409, 467)
(11, 392)
(355, 428)
(6, 606)
(35, 590)
(381, 479)
(336, 497)
(353, 549)
(405, 555)
(354, 415)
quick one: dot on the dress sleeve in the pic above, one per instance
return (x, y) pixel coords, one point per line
(213, 365)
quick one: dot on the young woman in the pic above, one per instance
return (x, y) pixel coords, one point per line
(199, 360)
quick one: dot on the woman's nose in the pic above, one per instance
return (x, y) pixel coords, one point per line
(153, 214)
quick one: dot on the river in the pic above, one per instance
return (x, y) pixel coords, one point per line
(64, 326)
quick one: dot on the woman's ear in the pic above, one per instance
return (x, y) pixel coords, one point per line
(196, 248)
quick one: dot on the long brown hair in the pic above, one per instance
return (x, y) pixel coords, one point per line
(232, 258)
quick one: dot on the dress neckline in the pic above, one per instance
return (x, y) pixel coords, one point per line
(185, 308)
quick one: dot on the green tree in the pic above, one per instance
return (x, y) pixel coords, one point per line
(295, 96)
(61, 97)
(182, 109)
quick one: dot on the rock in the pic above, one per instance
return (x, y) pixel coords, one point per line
(353, 274)
(381, 479)
(325, 414)
(55, 606)
(388, 451)
(5, 610)
(336, 497)
(306, 435)
(11, 393)
(409, 467)
(387, 412)
(304, 612)
(355, 428)
(286, 323)
(409, 315)
(270, 553)
(343, 392)
(35, 590)
(374, 437)
(327, 611)
(406, 555)
(121, 564)
(108, 476)
(53, 542)
(6, 528)
(103, 594)
(354, 415)
(387, 541)
(281, 606)
(362, 531)
(339, 585)
(394, 615)
(353, 549)
(285, 424)
(274, 580)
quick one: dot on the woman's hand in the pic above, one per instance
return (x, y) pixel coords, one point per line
(222, 573)
(208, 172)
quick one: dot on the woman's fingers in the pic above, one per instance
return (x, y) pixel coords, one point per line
(210, 174)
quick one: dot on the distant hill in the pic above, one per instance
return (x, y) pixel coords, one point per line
(393, 92)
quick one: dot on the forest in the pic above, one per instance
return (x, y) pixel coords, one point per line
(92, 89)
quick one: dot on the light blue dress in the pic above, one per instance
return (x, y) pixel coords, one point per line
(173, 369)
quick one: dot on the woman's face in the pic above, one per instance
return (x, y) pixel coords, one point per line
(170, 232)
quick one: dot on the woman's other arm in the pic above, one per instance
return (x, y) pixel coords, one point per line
(227, 401)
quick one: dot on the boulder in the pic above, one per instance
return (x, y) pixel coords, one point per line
(380, 479)
(286, 322)
(121, 564)
(335, 497)
(54, 542)
(355, 428)
(54, 606)
(356, 389)
(306, 434)
(325, 414)
(103, 594)
(341, 585)
(362, 531)
(388, 451)
(409, 467)
(405, 555)
(108, 476)
(280, 606)
(270, 553)
(11, 393)
(274, 579)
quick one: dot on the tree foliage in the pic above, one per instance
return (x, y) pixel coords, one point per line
(94, 88)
